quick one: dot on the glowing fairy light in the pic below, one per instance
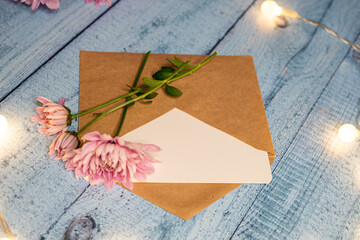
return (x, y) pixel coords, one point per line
(348, 133)
(273, 11)
(270, 9)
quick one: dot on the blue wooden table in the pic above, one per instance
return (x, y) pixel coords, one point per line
(310, 84)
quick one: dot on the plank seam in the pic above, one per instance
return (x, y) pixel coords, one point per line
(231, 28)
(302, 124)
(59, 50)
(43, 236)
(280, 84)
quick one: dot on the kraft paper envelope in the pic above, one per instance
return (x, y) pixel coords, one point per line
(224, 94)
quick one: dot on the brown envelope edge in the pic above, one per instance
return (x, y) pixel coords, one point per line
(182, 208)
(98, 67)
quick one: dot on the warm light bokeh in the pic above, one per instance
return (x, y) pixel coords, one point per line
(270, 9)
(348, 133)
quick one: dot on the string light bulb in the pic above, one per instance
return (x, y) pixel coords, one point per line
(270, 9)
(348, 133)
(3, 124)
(273, 11)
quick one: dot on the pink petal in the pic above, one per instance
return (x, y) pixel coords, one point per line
(92, 136)
(52, 109)
(42, 99)
(36, 118)
(88, 147)
(87, 158)
(53, 4)
(59, 156)
(106, 137)
(54, 129)
(78, 172)
(109, 185)
(140, 177)
(127, 182)
(110, 148)
(92, 165)
(56, 122)
(150, 148)
(51, 151)
(100, 150)
(42, 130)
(95, 181)
(40, 110)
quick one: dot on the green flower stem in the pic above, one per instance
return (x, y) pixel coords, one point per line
(108, 103)
(129, 98)
(193, 69)
(161, 83)
(142, 89)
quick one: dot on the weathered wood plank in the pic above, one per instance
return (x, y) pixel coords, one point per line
(218, 220)
(286, 112)
(118, 217)
(315, 194)
(37, 191)
(305, 77)
(29, 38)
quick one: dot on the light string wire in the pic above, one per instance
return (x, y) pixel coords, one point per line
(293, 14)
(332, 32)
(5, 227)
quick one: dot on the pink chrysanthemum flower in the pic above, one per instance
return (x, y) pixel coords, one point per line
(65, 142)
(54, 116)
(52, 4)
(109, 160)
(99, 3)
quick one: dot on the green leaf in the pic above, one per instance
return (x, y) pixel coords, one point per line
(146, 102)
(151, 95)
(164, 73)
(178, 63)
(173, 91)
(168, 69)
(150, 82)
(132, 88)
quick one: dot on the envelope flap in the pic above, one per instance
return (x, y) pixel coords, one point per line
(185, 200)
(224, 94)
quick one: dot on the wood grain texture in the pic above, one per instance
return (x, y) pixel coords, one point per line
(292, 105)
(29, 38)
(294, 65)
(300, 82)
(217, 222)
(40, 191)
(315, 193)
